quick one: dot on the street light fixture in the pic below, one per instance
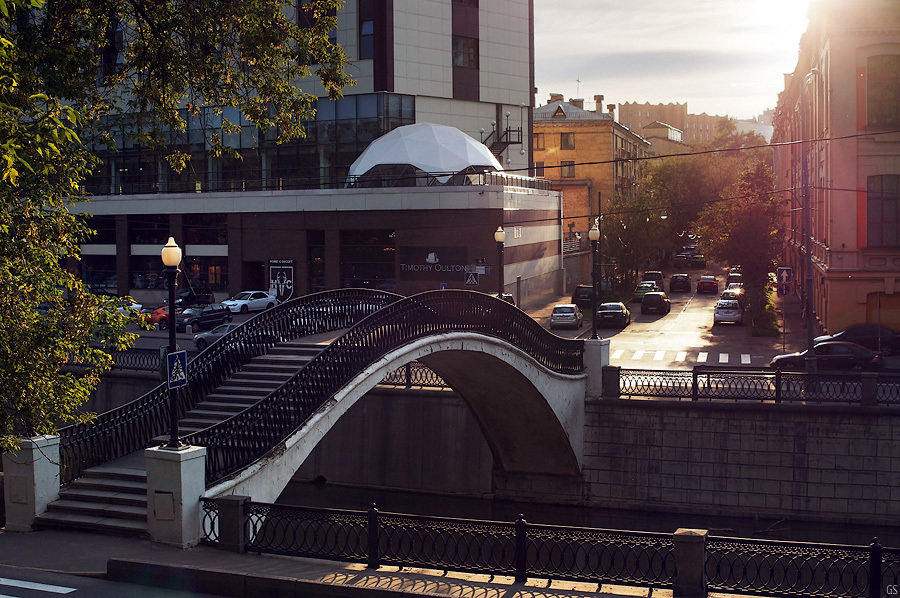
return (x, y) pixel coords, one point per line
(594, 236)
(171, 257)
(500, 238)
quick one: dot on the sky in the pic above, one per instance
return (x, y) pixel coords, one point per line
(722, 57)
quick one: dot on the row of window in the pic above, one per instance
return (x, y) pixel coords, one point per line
(566, 141)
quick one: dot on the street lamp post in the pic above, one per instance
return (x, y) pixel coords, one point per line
(500, 238)
(594, 236)
(171, 257)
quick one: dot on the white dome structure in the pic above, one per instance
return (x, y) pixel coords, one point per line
(407, 152)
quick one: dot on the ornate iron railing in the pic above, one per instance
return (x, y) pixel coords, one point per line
(251, 434)
(789, 568)
(132, 427)
(476, 546)
(710, 382)
(147, 360)
(414, 374)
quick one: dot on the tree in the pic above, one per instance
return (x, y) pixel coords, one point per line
(742, 228)
(69, 67)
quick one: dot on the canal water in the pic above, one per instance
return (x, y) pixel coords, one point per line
(439, 505)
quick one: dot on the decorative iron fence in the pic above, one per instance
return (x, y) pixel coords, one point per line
(253, 433)
(709, 382)
(145, 360)
(799, 569)
(414, 374)
(492, 547)
(734, 565)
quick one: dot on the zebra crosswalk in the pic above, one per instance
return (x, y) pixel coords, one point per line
(627, 357)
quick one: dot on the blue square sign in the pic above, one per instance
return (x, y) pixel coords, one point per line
(176, 369)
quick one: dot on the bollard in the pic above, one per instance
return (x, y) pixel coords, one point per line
(373, 557)
(611, 388)
(875, 580)
(521, 549)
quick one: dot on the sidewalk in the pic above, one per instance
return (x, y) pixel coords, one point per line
(208, 570)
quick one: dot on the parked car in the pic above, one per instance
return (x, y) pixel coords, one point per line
(200, 318)
(613, 313)
(708, 284)
(871, 336)
(158, 316)
(654, 275)
(682, 260)
(697, 261)
(648, 286)
(830, 356)
(734, 277)
(128, 306)
(735, 292)
(680, 283)
(246, 301)
(567, 315)
(583, 296)
(205, 339)
(656, 302)
(191, 296)
(728, 311)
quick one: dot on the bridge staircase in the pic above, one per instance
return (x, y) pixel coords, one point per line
(112, 497)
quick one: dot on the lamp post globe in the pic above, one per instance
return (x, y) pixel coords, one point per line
(500, 238)
(171, 257)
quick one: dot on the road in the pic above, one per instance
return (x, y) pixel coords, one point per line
(683, 338)
(32, 583)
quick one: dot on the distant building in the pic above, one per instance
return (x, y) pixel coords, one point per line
(288, 207)
(844, 96)
(576, 149)
(664, 139)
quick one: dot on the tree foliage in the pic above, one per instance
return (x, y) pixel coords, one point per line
(70, 68)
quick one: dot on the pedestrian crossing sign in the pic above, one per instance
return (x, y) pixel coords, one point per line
(176, 368)
(471, 279)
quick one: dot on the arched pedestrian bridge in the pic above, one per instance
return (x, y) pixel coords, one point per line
(524, 385)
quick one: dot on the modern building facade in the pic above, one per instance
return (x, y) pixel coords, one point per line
(840, 116)
(586, 155)
(286, 208)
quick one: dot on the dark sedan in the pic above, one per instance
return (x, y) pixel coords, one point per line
(201, 318)
(680, 283)
(870, 336)
(614, 314)
(830, 356)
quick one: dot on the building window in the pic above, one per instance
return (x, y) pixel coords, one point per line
(538, 141)
(883, 90)
(366, 39)
(539, 169)
(367, 259)
(567, 141)
(567, 169)
(465, 52)
(883, 211)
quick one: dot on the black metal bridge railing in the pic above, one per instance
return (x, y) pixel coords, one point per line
(253, 433)
(132, 427)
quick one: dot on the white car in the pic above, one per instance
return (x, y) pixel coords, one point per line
(250, 301)
(728, 310)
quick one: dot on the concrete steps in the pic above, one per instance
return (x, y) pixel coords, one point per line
(112, 498)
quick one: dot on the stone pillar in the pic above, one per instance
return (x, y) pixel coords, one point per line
(233, 522)
(31, 480)
(176, 479)
(596, 355)
(690, 561)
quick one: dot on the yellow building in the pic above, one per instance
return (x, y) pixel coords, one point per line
(587, 155)
(846, 89)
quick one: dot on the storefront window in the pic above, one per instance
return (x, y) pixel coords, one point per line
(368, 258)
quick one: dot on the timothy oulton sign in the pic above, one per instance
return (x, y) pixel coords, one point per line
(432, 263)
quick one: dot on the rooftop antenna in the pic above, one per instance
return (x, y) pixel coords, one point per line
(577, 87)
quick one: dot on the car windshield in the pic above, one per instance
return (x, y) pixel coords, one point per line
(191, 312)
(727, 304)
(647, 285)
(564, 310)
(610, 307)
(241, 297)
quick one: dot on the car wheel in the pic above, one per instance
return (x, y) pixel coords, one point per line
(244, 309)
(163, 324)
(229, 318)
(201, 344)
(270, 305)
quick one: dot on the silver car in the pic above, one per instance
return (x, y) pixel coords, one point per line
(204, 339)
(566, 314)
(728, 310)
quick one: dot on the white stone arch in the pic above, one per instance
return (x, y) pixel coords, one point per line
(532, 417)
